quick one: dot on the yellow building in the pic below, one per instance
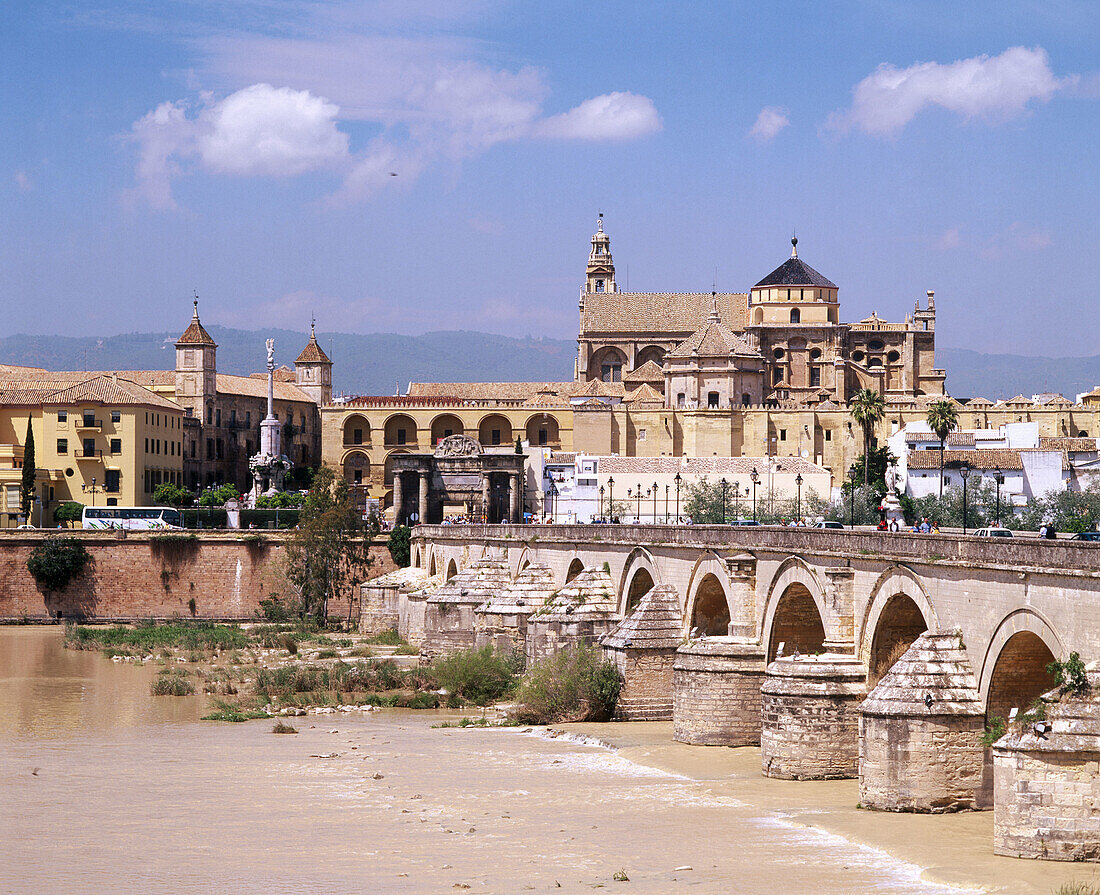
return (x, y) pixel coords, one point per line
(97, 440)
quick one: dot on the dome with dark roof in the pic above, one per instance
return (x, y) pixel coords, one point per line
(795, 272)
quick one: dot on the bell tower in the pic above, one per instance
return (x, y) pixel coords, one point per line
(313, 370)
(600, 274)
(196, 367)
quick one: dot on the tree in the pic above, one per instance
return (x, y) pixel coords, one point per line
(170, 495)
(878, 462)
(867, 409)
(26, 488)
(398, 545)
(943, 417)
(67, 512)
(217, 497)
(330, 550)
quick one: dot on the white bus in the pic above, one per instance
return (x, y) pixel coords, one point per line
(130, 518)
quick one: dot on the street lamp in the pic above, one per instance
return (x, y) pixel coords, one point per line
(93, 489)
(638, 498)
(601, 502)
(725, 488)
(552, 492)
(666, 504)
(654, 503)
(798, 503)
(998, 478)
(964, 472)
(736, 500)
(677, 479)
(755, 476)
(610, 498)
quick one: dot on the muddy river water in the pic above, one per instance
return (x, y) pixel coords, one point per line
(104, 788)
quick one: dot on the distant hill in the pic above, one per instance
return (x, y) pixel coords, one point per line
(372, 364)
(377, 363)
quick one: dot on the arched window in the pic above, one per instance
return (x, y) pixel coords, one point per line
(746, 399)
(599, 285)
(796, 315)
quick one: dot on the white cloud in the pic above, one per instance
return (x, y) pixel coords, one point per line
(948, 240)
(989, 87)
(270, 131)
(23, 181)
(613, 116)
(770, 121)
(1018, 237)
(429, 96)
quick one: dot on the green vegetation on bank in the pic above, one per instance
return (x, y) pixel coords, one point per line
(576, 684)
(150, 638)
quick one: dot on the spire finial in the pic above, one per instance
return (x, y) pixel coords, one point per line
(195, 314)
(599, 223)
(313, 327)
(714, 318)
(794, 246)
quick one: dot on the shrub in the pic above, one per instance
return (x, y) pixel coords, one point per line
(994, 731)
(577, 684)
(67, 512)
(1070, 675)
(172, 683)
(276, 609)
(56, 561)
(479, 675)
(280, 727)
(398, 545)
(389, 637)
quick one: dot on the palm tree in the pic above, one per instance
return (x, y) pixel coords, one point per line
(867, 409)
(943, 417)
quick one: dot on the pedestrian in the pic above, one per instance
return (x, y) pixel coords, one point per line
(924, 526)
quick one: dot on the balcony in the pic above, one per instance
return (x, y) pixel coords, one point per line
(88, 422)
(82, 454)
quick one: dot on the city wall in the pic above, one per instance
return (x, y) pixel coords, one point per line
(135, 575)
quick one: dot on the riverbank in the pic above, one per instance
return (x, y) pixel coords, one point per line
(108, 789)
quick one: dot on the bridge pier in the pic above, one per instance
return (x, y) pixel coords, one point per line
(1046, 783)
(380, 599)
(643, 647)
(810, 712)
(449, 609)
(716, 692)
(920, 732)
(581, 611)
(502, 621)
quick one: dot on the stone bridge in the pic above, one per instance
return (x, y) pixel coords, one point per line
(1017, 602)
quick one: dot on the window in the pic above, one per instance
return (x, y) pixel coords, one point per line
(111, 481)
(116, 416)
(62, 416)
(777, 376)
(63, 445)
(248, 418)
(681, 399)
(828, 434)
(612, 372)
(218, 417)
(746, 399)
(778, 353)
(89, 447)
(89, 417)
(357, 436)
(357, 476)
(116, 445)
(815, 376)
(544, 438)
(210, 449)
(782, 434)
(221, 448)
(599, 286)
(796, 315)
(12, 497)
(495, 439)
(209, 414)
(112, 501)
(401, 437)
(712, 400)
(641, 434)
(147, 445)
(247, 448)
(815, 353)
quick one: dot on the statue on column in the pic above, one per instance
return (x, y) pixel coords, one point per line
(270, 464)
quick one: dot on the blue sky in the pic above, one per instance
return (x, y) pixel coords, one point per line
(246, 151)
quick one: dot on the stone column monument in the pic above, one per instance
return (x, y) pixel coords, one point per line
(270, 464)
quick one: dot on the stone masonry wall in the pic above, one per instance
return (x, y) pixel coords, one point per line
(646, 693)
(932, 764)
(137, 577)
(716, 697)
(1045, 805)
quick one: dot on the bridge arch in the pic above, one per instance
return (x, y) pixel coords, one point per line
(794, 610)
(898, 612)
(433, 567)
(639, 575)
(523, 560)
(452, 569)
(418, 558)
(1014, 667)
(708, 608)
(576, 566)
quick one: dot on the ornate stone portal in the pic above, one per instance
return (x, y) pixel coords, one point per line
(458, 477)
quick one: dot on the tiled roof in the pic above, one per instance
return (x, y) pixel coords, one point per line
(93, 389)
(647, 372)
(705, 465)
(659, 313)
(645, 394)
(557, 458)
(195, 334)
(547, 397)
(517, 391)
(282, 373)
(1018, 401)
(713, 339)
(935, 665)
(590, 593)
(257, 388)
(15, 371)
(960, 439)
(597, 388)
(312, 353)
(530, 590)
(475, 584)
(986, 459)
(1064, 443)
(795, 272)
(978, 402)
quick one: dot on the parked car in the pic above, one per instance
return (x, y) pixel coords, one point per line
(1086, 536)
(993, 533)
(745, 522)
(827, 523)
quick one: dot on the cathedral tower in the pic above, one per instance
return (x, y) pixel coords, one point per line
(313, 370)
(600, 275)
(196, 368)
